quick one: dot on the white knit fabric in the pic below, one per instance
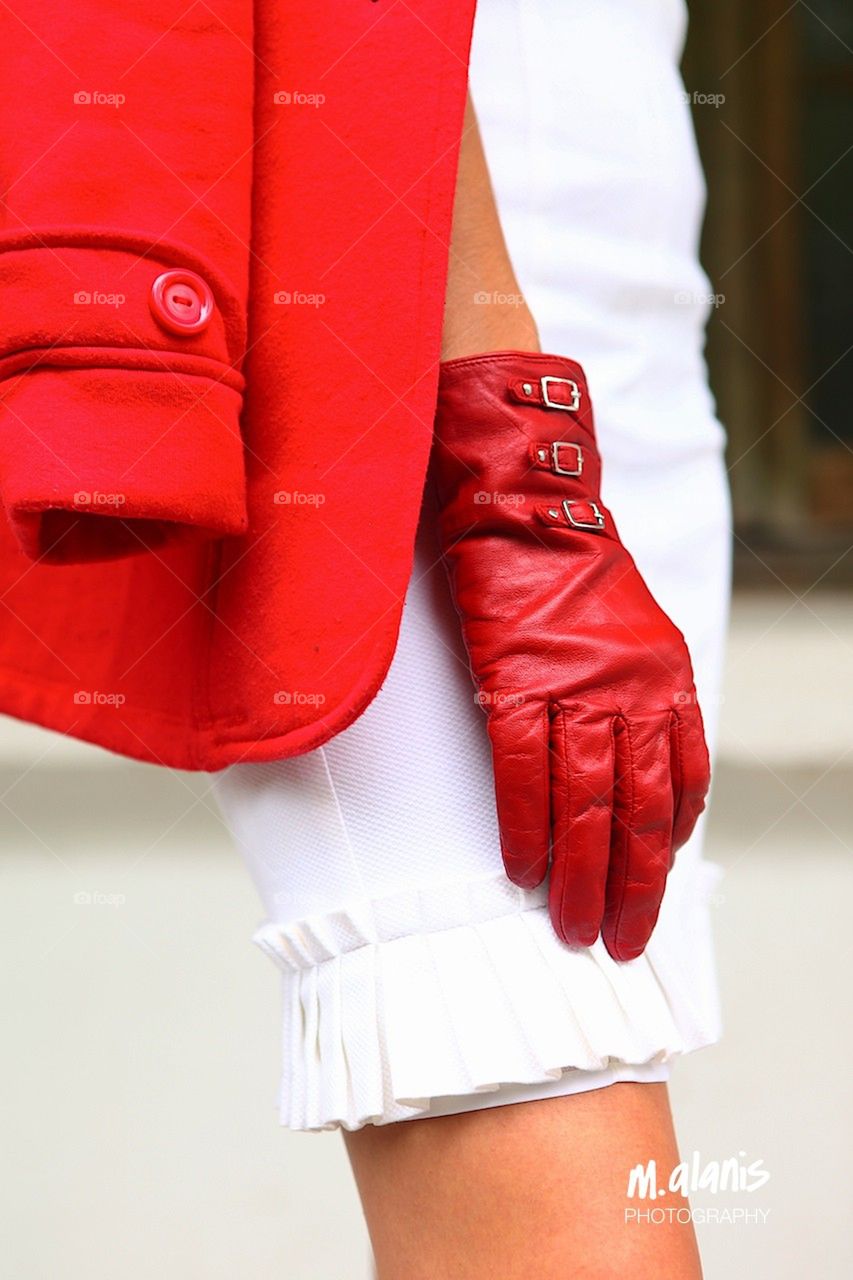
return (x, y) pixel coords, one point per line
(417, 980)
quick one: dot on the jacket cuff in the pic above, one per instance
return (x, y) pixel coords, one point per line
(120, 400)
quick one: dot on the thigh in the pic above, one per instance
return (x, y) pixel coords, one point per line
(536, 1188)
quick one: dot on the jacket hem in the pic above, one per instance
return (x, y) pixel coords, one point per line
(203, 752)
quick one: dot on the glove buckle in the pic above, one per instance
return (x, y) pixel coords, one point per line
(597, 521)
(573, 404)
(560, 470)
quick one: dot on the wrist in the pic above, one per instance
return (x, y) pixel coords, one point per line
(488, 320)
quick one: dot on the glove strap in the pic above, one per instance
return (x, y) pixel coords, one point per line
(561, 457)
(564, 394)
(582, 513)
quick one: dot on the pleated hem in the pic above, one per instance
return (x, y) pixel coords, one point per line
(465, 987)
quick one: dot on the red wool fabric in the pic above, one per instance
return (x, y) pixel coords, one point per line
(223, 250)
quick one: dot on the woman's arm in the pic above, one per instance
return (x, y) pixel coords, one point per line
(484, 310)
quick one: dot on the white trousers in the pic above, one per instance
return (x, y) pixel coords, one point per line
(417, 980)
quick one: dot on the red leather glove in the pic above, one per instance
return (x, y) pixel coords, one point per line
(597, 739)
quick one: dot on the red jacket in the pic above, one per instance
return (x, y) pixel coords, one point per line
(223, 251)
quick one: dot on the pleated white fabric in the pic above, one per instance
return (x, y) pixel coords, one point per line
(385, 1014)
(417, 980)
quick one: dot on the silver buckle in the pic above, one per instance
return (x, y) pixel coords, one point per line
(575, 402)
(555, 458)
(597, 523)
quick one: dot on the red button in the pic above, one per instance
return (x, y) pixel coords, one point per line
(181, 302)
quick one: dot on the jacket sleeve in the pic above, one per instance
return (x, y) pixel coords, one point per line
(125, 171)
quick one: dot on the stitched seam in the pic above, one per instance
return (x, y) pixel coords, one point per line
(675, 740)
(304, 923)
(230, 376)
(545, 811)
(632, 811)
(568, 812)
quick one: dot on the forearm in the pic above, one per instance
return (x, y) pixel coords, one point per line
(484, 309)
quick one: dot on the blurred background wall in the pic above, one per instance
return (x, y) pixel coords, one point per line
(771, 84)
(138, 1132)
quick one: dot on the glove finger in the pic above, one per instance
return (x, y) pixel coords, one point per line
(640, 855)
(582, 766)
(691, 771)
(519, 736)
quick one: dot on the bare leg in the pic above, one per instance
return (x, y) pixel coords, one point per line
(530, 1189)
